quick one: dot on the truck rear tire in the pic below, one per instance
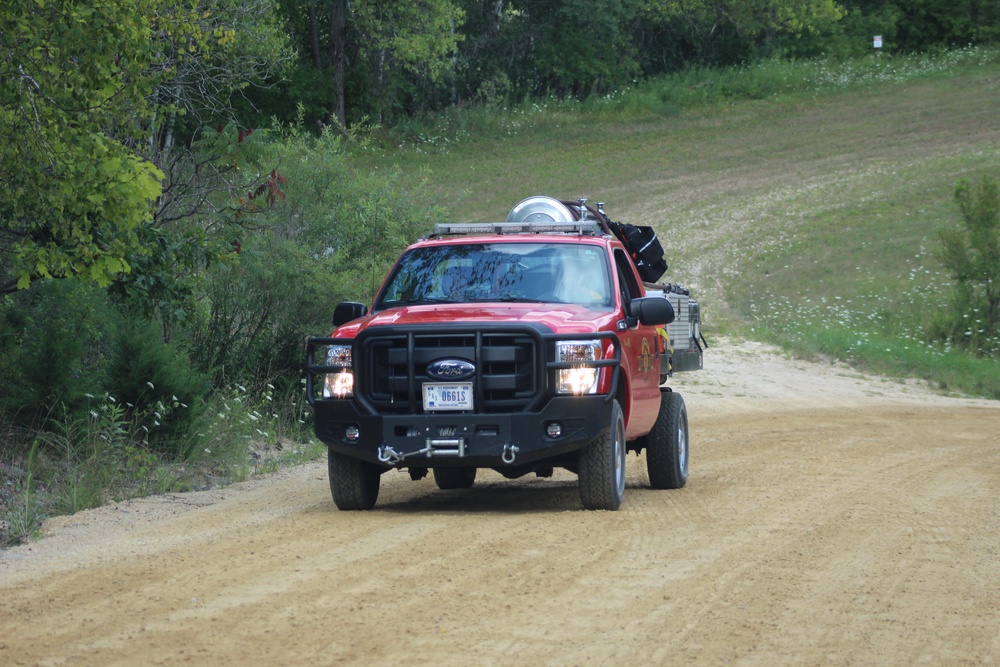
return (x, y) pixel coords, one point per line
(602, 466)
(353, 483)
(667, 444)
(454, 478)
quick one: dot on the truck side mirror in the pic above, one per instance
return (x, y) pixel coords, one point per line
(347, 311)
(651, 310)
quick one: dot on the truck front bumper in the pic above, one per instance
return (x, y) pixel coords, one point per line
(563, 425)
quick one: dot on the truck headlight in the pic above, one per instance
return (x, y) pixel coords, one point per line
(579, 379)
(339, 384)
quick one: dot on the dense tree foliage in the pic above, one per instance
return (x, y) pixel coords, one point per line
(373, 57)
(381, 60)
(90, 94)
(73, 191)
(124, 175)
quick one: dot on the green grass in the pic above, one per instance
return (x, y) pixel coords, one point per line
(84, 464)
(802, 208)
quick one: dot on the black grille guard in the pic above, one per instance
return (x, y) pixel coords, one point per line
(542, 338)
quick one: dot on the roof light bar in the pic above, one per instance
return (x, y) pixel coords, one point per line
(584, 227)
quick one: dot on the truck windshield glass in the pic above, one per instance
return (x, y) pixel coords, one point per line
(532, 272)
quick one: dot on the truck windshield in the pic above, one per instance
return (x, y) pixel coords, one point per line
(532, 272)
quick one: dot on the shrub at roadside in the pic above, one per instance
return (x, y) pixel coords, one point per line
(51, 348)
(971, 254)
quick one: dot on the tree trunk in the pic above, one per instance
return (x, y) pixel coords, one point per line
(338, 49)
(314, 37)
(496, 17)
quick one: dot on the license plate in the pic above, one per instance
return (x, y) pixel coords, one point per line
(448, 396)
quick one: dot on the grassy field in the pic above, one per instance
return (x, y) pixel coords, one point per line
(807, 219)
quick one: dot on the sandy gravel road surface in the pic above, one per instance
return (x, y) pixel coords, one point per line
(830, 519)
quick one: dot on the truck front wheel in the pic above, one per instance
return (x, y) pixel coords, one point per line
(354, 483)
(602, 466)
(667, 444)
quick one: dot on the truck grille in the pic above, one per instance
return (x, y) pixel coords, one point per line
(509, 375)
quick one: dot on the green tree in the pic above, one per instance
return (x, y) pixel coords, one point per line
(90, 95)
(406, 45)
(71, 194)
(926, 23)
(725, 32)
(972, 255)
(574, 47)
(211, 51)
(332, 238)
(366, 58)
(915, 25)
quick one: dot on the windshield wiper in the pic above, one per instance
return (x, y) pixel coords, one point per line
(416, 302)
(521, 299)
(507, 299)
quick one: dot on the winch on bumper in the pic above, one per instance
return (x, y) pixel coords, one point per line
(518, 416)
(565, 424)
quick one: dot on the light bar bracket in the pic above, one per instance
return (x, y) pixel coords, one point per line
(580, 228)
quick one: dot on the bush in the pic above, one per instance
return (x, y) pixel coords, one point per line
(258, 312)
(157, 385)
(972, 255)
(51, 351)
(331, 238)
(65, 344)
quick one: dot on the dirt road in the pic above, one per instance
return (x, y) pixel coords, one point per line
(830, 519)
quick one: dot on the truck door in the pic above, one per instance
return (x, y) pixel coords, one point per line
(640, 354)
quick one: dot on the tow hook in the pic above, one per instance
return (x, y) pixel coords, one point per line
(387, 454)
(509, 453)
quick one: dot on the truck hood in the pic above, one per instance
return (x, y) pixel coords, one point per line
(558, 317)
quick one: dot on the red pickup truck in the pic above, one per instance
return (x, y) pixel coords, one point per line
(522, 346)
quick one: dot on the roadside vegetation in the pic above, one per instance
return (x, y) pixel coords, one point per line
(174, 224)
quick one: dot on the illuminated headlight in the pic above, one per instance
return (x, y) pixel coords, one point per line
(582, 379)
(339, 384)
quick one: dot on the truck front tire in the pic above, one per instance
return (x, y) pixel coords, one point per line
(667, 444)
(354, 483)
(602, 466)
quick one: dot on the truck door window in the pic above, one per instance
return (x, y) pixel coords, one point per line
(627, 285)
